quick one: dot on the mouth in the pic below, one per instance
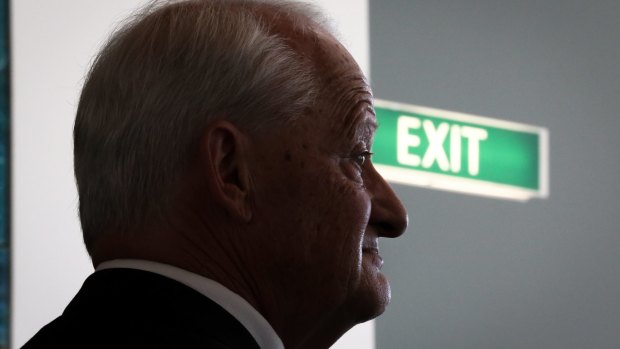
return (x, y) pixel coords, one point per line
(372, 252)
(370, 249)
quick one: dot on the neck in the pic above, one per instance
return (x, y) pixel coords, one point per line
(296, 314)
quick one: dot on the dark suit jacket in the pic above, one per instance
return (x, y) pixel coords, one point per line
(127, 308)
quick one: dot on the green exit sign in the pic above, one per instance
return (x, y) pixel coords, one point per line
(459, 152)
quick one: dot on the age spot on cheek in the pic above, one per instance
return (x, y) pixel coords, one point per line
(287, 156)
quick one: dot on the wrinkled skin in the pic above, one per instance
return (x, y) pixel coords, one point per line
(288, 218)
(322, 207)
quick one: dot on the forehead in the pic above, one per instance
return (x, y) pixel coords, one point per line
(360, 120)
(344, 100)
(345, 97)
(331, 61)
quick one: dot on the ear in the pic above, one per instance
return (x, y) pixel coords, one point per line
(225, 158)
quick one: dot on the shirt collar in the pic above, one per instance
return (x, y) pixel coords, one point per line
(252, 320)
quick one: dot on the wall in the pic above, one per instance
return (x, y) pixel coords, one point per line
(52, 44)
(480, 273)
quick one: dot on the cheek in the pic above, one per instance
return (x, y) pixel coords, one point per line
(346, 209)
(352, 173)
(345, 225)
(317, 203)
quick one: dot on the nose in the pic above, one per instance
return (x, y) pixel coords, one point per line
(387, 214)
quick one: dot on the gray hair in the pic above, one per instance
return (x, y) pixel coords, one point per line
(161, 78)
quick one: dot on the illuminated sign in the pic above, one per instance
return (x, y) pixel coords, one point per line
(459, 152)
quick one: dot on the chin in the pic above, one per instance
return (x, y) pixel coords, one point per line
(371, 298)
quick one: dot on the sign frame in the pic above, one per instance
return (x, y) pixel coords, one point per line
(433, 180)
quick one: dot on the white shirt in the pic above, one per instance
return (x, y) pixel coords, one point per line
(239, 308)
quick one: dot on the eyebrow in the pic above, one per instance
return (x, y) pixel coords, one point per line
(371, 109)
(368, 128)
(372, 124)
(366, 124)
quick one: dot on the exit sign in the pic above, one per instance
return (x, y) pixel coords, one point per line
(460, 152)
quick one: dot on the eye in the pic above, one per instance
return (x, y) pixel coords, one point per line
(362, 157)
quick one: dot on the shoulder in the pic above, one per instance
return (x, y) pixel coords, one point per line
(126, 308)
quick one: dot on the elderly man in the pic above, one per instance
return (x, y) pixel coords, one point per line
(227, 197)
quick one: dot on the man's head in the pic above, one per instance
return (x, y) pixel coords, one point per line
(232, 139)
(160, 80)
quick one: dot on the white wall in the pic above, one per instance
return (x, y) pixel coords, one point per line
(52, 45)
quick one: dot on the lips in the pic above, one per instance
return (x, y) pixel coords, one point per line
(372, 250)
